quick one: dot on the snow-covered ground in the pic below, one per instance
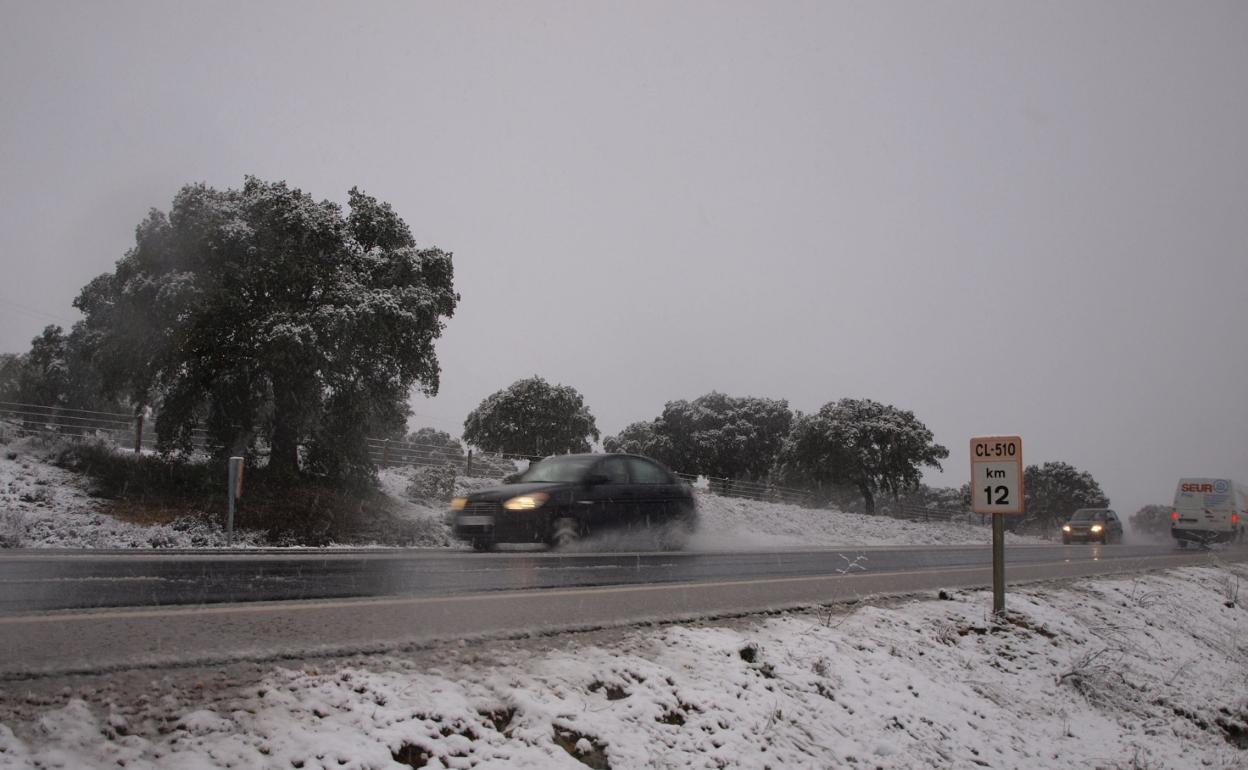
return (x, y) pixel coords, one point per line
(1128, 672)
(43, 506)
(728, 522)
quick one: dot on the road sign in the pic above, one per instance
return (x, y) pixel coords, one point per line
(997, 488)
(997, 474)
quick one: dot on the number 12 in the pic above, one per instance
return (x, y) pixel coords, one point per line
(1003, 495)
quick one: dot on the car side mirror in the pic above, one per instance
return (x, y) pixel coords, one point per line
(594, 479)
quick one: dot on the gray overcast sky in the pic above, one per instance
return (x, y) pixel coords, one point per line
(1007, 217)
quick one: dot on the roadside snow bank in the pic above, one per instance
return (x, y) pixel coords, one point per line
(423, 513)
(43, 506)
(731, 522)
(1150, 671)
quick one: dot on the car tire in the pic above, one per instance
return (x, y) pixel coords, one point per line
(564, 532)
(1183, 544)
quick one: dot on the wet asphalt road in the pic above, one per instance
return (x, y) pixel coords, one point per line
(34, 581)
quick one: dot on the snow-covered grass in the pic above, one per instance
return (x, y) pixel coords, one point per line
(44, 506)
(1127, 672)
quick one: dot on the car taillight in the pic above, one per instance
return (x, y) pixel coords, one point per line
(1235, 517)
(1174, 515)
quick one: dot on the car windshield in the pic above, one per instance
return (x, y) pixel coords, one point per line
(1085, 515)
(557, 469)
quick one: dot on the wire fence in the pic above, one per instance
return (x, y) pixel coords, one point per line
(137, 432)
(912, 512)
(752, 490)
(387, 453)
(132, 431)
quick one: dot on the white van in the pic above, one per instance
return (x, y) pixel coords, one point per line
(1209, 511)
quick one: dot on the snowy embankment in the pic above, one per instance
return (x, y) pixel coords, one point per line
(1143, 672)
(43, 506)
(728, 523)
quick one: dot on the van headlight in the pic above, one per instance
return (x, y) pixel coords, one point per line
(526, 502)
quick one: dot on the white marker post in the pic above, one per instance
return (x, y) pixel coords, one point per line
(997, 488)
(235, 492)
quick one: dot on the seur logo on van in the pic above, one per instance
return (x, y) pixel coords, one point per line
(1197, 487)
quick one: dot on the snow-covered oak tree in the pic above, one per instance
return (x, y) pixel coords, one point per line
(715, 435)
(870, 446)
(644, 438)
(1055, 490)
(42, 375)
(532, 417)
(263, 313)
(57, 371)
(11, 365)
(1152, 520)
(434, 444)
(727, 436)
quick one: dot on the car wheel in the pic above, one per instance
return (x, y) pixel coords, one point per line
(564, 532)
(1182, 544)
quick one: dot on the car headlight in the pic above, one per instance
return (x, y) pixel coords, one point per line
(1065, 527)
(458, 503)
(526, 502)
(1097, 527)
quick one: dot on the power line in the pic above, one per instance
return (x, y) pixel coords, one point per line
(34, 312)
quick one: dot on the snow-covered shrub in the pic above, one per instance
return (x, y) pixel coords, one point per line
(466, 485)
(12, 529)
(36, 496)
(432, 482)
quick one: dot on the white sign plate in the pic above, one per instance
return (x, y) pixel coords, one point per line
(997, 474)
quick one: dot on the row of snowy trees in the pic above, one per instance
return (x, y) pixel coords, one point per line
(864, 445)
(855, 453)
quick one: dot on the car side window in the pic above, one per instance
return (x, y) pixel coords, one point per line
(646, 472)
(615, 469)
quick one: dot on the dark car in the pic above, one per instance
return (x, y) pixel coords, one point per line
(567, 497)
(1099, 525)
